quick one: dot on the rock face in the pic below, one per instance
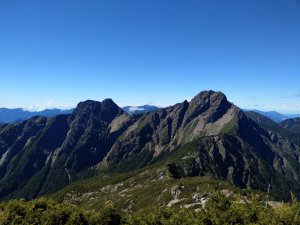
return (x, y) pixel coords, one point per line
(287, 129)
(166, 129)
(42, 154)
(206, 136)
(291, 124)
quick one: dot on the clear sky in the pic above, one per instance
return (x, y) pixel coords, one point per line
(56, 53)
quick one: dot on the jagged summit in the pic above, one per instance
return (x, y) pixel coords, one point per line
(211, 103)
(92, 104)
(209, 94)
(209, 98)
(87, 106)
(106, 110)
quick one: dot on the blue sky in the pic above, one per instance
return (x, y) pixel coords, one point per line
(57, 53)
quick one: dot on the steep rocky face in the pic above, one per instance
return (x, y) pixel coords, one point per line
(260, 119)
(275, 149)
(279, 131)
(229, 144)
(225, 157)
(249, 156)
(42, 155)
(166, 129)
(152, 134)
(93, 129)
(291, 124)
(22, 153)
(211, 105)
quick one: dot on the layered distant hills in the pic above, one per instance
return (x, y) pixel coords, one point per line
(275, 116)
(18, 115)
(208, 137)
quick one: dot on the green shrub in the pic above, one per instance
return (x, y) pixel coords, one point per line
(219, 210)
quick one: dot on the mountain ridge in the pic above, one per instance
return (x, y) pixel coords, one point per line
(292, 124)
(15, 115)
(41, 155)
(273, 115)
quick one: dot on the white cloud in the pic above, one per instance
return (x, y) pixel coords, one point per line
(135, 108)
(50, 104)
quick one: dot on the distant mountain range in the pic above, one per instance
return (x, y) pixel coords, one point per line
(275, 116)
(208, 136)
(18, 115)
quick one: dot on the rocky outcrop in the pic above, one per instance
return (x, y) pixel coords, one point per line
(292, 125)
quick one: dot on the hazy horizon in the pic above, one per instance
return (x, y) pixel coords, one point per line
(41, 108)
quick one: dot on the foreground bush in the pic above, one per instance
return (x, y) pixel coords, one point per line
(218, 211)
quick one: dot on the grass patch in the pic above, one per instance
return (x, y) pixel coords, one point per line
(229, 127)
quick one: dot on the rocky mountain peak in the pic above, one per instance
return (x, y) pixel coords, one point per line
(109, 110)
(109, 104)
(208, 96)
(87, 106)
(212, 104)
(106, 110)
